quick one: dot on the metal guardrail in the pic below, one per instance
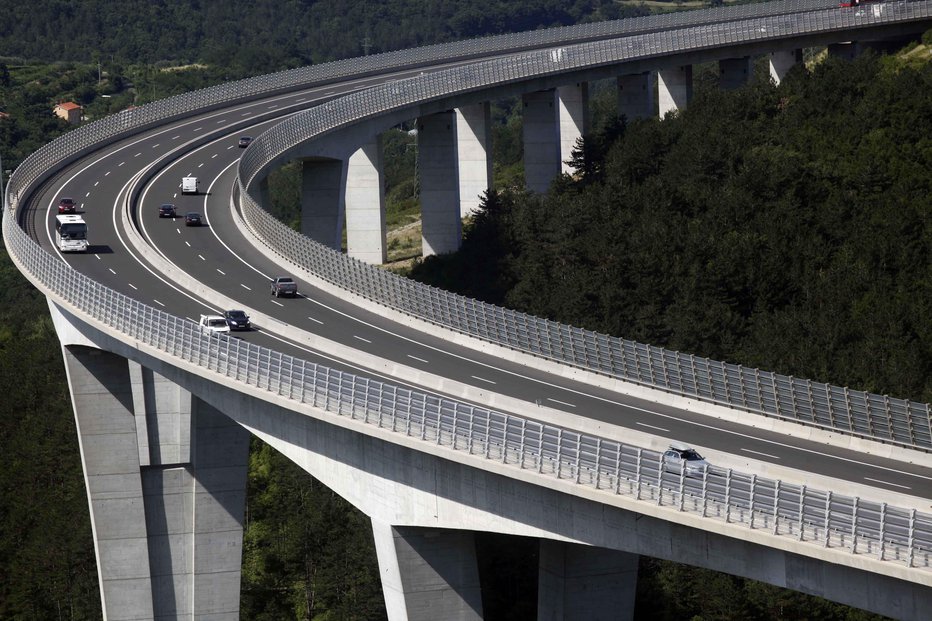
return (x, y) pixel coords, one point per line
(854, 412)
(859, 527)
(801, 513)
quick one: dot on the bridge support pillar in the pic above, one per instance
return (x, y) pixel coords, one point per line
(674, 89)
(428, 573)
(441, 227)
(166, 483)
(636, 96)
(782, 61)
(734, 72)
(574, 120)
(541, 140)
(578, 583)
(845, 51)
(364, 196)
(474, 149)
(321, 183)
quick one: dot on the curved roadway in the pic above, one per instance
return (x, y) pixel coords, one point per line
(219, 256)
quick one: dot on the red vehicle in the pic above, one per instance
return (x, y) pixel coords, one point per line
(845, 4)
(67, 205)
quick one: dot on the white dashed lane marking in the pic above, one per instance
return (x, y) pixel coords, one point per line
(111, 271)
(221, 272)
(887, 483)
(316, 320)
(135, 288)
(569, 405)
(418, 359)
(278, 303)
(653, 427)
(361, 339)
(482, 379)
(759, 453)
(157, 302)
(247, 288)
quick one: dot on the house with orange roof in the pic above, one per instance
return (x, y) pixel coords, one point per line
(69, 111)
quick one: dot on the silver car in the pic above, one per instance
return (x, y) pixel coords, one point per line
(681, 458)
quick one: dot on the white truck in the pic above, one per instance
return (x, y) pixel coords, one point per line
(189, 185)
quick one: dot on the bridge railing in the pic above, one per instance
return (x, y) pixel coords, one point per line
(836, 408)
(801, 513)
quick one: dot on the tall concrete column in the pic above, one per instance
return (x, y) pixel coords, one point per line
(541, 140)
(734, 72)
(636, 96)
(441, 227)
(102, 397)
(428, 574)
(583, 583)
(166, 482)
(321, 183)
(674, 89)
(782, 61)
(474, 155)
(846, 51)
(574, 120)
(364, 196)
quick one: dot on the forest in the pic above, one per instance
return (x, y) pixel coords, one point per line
(786, 228)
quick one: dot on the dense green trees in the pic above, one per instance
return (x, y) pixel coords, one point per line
(262, 35)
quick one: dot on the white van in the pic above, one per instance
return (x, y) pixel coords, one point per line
(189, 185)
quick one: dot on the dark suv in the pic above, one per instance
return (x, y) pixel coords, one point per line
(237, 320)
(167, 211)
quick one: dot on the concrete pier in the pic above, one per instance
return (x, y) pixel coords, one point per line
(573, 114)
(364, 197)
(636, 99)
(541, 140)
(441, 227)
(845, 51)
(734, 72)
(321, 215)
(474, 155)
(166, 484)
(581, 583)
(781, 62)
(428, 573)
(674, 89)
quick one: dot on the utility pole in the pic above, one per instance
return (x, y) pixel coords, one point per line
(2, 193)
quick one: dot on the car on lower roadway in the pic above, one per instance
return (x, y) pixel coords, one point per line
(284, 285)
(244, 141)
(237, 320)
(192, 219)
(167, 210)
(214, 324)
(67, 205)
(682, 458)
